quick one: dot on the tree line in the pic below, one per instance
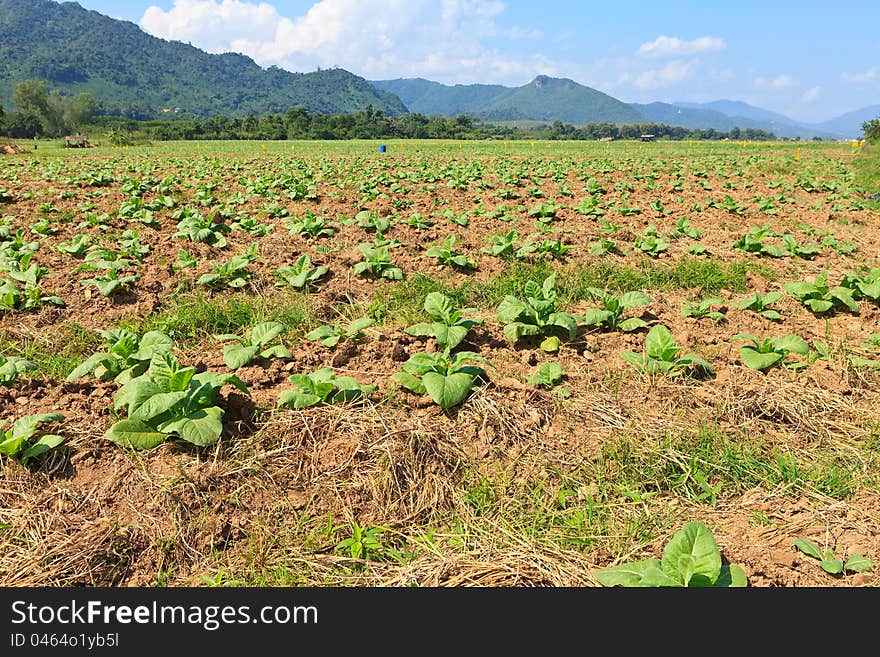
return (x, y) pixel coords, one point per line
(44, 113)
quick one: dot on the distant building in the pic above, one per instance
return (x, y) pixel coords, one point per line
(647, 137)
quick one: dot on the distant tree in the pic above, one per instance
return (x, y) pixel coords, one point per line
(33, 99)
(78, 110)
(871, 130)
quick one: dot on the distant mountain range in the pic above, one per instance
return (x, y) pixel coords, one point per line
(140, 76)
(549, 99)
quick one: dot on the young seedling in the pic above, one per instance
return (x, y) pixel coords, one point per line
(125, 355)
(764, 354)
(448, 256)
(447, 378)
(22, 440)
(170, 400)
(310, 225)
(830, 563)
(662, 356)
(301, 274)
(651, 242)
(690, 559)
(502, 245)
(330, 336)
(262, 341)
(610, 315)
(377, 263)
(703, 310)
(864, 286)
(537, 315)
(234, 273)
(449, 327)
(11, 367)
(761, 304)
(322, 387)
(819, 297)
(110, 283)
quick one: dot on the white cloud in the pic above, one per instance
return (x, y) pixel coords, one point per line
(812, 94)
(671, 74)
(776, 84)
(373, 38)
(664, 46)
(860, 78)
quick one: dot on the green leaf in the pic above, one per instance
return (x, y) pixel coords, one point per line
(25, 426)
(633, 299)
(276, 351)
(809, 548)
(510, 309)
(792, 343)
(596, 316)
(135, 434)
(262, 334)
(858, 563)
(550, 345)
(632, 324)
(660, 344)
(647, 573)
(44, 444)
(731, 576)
(359, 325)
(89, 364)
(297, 399)
(152, 343)
(201, 427)
(146, 406)
(832, 566)
(692, 556)
(235, 356)
(438, 306)
(448, 391)
(751, 357)
(410, 382)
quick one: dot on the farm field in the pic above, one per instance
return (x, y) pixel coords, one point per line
(447, 364)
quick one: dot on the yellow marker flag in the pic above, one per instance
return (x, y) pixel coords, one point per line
(797, 156)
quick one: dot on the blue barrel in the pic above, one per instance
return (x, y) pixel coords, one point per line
(382, 148)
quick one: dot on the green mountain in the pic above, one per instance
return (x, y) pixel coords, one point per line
(703, 116)
(432, 98)
(543, 99)
(137, 75)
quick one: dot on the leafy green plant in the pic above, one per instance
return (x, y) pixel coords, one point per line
(76, 246)
(662, 356)
(233, 273)
(760, 304)
(448, 256)
(819, 297)
(322, 387)
(651, 242)
(684, 228)
(690, 559)
(330, 336)
(864, 286)
(449, 327)
(109, 282)
(310, 225)
(22, 440)
(445, 377)
(536, 315)
(703, 309)
(549, 376)
(11, 367)
(200, 228)
(611, 313)
(170, 400)
(763, 354)
(365, 543)
(301, 274)
(263, 341)
(125, 356)
(503, 244)
(377, 263)
(830, 563)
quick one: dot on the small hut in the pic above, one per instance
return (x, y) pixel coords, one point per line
(647, 137)
(76, 141)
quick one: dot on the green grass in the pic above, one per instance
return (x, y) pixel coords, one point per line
(192, 317)
(54, 357)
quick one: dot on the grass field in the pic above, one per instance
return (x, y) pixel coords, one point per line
(599, 389)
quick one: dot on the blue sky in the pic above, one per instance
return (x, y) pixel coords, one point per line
(809, 60)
